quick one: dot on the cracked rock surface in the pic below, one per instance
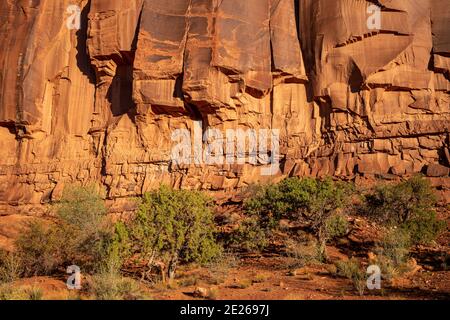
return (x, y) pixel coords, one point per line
(100, 104)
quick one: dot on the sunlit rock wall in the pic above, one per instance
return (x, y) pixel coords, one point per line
(100, 104)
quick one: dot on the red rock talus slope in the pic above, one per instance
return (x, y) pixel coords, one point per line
(99, 104)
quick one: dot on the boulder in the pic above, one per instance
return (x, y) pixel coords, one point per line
(437, 170)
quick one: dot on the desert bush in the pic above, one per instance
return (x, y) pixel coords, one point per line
(409, 205)
(35, 293)
(393, 252)
(83, 220)
(310, 200)
(105, 286)
(220, 267)
(40, 249)
(303, 253)
(172, 227)
(348, 268)
(395, 245)
(82, 207)
(425, 227)
(250, 235)
(118, 245)
(351, 269)
(11, 266)
(260, 278)
(8, 292)
(109, 284)
(81, 235)
(336, 226)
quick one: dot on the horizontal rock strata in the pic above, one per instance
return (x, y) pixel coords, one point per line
(100, 104)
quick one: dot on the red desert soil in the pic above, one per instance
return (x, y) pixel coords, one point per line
(309, 283)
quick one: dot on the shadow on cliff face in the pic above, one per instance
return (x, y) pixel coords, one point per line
(83, 60)
(120, 92)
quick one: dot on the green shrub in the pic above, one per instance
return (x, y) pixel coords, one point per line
(172, 227)
(351, 269)
(268, 205)
(250, 235)
(307, 199)
(395, 245)
(408, 205)
(119, 244)
(336, 226)
(425, 227)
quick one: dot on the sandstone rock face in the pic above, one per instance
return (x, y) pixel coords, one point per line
(100, 104)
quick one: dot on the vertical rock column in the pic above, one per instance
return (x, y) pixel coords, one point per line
(112, 42)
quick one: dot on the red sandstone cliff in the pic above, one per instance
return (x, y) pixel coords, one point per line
(99, 104)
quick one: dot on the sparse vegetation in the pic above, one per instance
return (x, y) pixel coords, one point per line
(115, 287)
(85, 227)
(303, 253)
(351, 269)
(307, 200)
(220, 267)
(243, 284)
(395, 246)
(409, 205)
(11, 266)
(260, 278)
(82, 207)
(393, 252)
(171, 228)
(35, 293)
(80, 235)
(10, 292)
(109, 284)
(40, 249)
(336, 226)
(189, 281)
